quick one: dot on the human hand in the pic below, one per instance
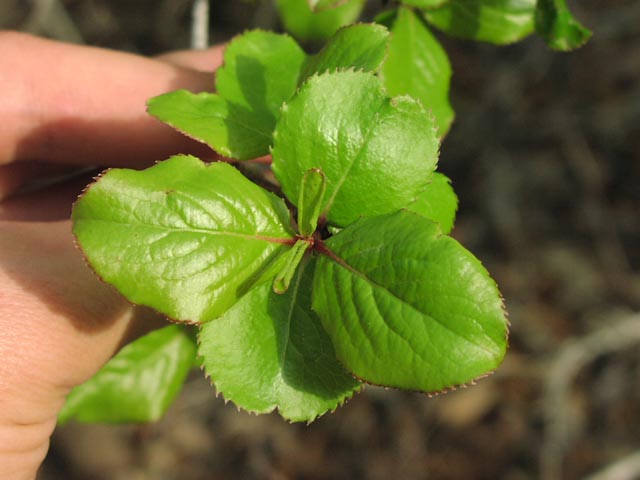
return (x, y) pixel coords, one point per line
(63, 108)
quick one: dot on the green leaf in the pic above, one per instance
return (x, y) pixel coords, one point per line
(260, 72)
(308, 26)
(270, 351)
(386, 17)
(139, 383)
(438, 203)
(495, 21)
(361, 47)
(417, 65)
(314, 186)
(426, 4)
(290, 262)
(558, 27)
(185, 238)
(378, 153)
(407, 307)
(319, 5)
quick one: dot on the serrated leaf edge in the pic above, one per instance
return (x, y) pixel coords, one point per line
(322, 249)
(274, 407)
(222, 151)
(352, 68)
(392, 100)
(85, 259)
(420, 13)
(455, 211)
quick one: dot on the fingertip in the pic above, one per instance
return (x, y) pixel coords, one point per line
(207, 60)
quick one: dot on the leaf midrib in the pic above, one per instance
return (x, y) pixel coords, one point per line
(356, 157)
(343, 263)
(294, 297)
(264, 238)
(234, 120)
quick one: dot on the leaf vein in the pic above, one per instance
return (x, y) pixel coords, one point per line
(341, 262)
(264, 238)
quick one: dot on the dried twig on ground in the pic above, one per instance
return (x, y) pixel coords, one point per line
(627, 468)
(200, 24)
(50, 17)
(569, 361)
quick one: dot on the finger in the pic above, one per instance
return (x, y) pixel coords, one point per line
(83, 105)
(58, 326)
(201, 60)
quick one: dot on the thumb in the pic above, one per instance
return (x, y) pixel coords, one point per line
(58, 325)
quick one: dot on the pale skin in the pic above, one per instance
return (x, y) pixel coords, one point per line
(65, 107)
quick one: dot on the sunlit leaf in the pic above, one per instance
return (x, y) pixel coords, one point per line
(417, 65)
(316, 26)
(438, 202)
(139, 383)
(185, 238)
(408, 307)
(377, 153)
(270, 351)
(558, 27)
(495, 21)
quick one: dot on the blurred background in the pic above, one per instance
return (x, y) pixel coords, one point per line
(545, 157)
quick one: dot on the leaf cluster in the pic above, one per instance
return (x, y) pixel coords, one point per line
(291, 316)
(346, 275)
(495, 21)
(417, 64)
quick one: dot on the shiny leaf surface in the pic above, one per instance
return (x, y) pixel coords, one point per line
(185, 238)
(290, 261)
(407, 307)
(319, 5)
(312, 191)
(269, 351)
(495, 21)
(139, 383)
(438, 203)
(418, 66)
(558, 27)
(361, 47)
(316, 26)
(377, 153)
(261, 70)
(426, 4)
